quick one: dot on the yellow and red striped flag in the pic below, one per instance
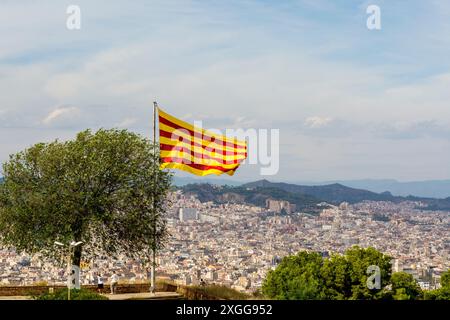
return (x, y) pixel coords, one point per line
(195, 150)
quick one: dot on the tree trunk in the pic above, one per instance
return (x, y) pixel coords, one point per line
(77, 230)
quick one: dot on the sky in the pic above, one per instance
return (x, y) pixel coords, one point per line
(349, 102)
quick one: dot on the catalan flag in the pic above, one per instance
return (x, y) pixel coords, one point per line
(195, 150)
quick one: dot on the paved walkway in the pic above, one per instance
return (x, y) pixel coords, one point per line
(144, 296)
(120, 296)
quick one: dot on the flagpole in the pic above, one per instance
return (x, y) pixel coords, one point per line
(153, 270)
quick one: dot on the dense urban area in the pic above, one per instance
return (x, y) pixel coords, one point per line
(236, 244)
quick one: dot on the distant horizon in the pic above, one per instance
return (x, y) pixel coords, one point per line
(221, 178)
(232, 179)
(438, 189)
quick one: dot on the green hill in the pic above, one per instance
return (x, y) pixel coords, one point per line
(256, 196)
(304, 197)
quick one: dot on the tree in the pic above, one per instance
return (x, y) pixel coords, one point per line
(404, 287)
(438, 294)
(445, 279)
(345, 276)
(360, 259)
(308, 276)
(401, 294)
(296, 277)
(336, 274)
(444, 292)
(98, 188)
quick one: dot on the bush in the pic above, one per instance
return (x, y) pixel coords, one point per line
(61, 294)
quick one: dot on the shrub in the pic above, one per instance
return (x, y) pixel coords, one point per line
(61, 294)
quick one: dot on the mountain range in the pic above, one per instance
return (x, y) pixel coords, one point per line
(305, 197)
(428, 189)
(334, 193)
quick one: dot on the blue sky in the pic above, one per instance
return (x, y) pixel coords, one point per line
(350, 103)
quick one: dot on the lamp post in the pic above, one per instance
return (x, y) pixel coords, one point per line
(71, 246)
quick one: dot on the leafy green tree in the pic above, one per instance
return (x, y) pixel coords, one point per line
(401, 294)
(445, 279)
(444, 292)
(360, 259)
(404, 287)
(98, 188)
(296, 277)
(305, 287)
(438, 294)
(336, 274)
(309, 276)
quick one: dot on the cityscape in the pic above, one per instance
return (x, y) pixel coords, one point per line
(236, 244)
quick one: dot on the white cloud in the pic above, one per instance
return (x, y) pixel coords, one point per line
(317, 122)
(61, 114)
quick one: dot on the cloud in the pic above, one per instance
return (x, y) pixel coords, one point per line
(412, 130)
(61, 114)
(371, 130)
(317, 122)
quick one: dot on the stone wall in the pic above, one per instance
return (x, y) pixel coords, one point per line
(193, 294)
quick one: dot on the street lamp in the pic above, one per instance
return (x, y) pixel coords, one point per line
(71, 245)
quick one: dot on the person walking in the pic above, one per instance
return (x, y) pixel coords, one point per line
(100, 284)
(114, 281)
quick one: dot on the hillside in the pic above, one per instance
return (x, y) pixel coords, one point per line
(428, 189)
(334, 193)
(304, 197)
(256, 196)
